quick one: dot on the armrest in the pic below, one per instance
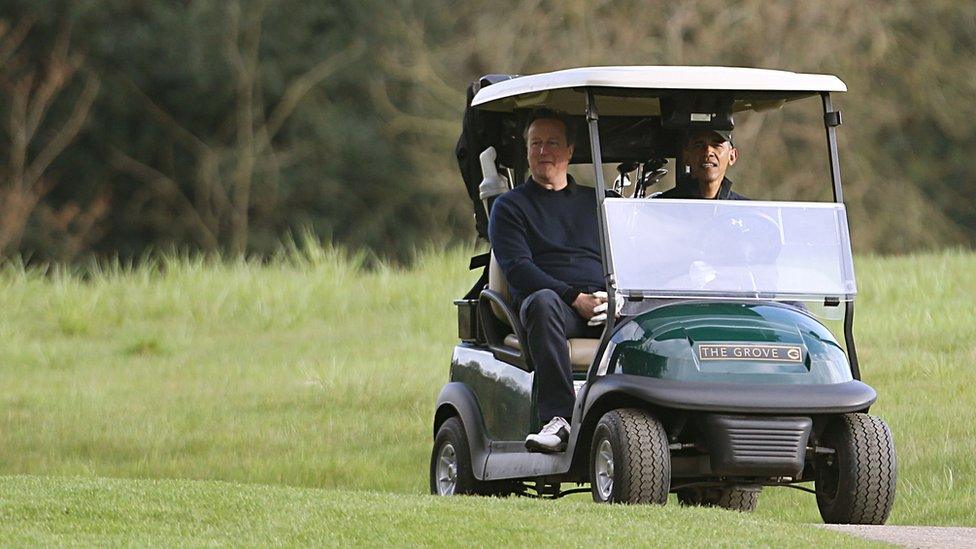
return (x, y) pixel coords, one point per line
(495, 331)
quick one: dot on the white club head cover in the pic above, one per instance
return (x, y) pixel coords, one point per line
(601, 309)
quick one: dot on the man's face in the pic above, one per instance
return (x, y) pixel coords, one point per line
(709, 155)
(549, 153)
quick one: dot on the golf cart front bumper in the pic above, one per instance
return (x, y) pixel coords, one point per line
(733, 430)
(736, 398)
(748, 446)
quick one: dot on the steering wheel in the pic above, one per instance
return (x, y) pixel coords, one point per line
(750, 238)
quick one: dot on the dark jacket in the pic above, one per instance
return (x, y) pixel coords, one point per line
(547, 239)
(688, 188)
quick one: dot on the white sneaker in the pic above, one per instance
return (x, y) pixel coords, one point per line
(552, 437)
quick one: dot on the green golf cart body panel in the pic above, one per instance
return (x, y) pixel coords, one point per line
(747, 343)
(503, 392)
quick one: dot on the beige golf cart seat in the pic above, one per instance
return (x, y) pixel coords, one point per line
(504, 331)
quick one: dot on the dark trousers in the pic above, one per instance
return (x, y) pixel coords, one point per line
(548, 323)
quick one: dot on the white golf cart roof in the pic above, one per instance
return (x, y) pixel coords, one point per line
(562, 90)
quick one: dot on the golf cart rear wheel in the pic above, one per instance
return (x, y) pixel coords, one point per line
(735, 498)
(629, 459)
(450, 461)
(856, 484)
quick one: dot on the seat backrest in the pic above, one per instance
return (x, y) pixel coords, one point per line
(497, 282)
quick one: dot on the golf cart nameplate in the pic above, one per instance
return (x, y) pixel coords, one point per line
(771, 353)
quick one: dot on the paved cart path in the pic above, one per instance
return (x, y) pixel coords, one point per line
(912, 536)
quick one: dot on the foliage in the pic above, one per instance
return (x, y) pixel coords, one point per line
(224, 126)
(34, 86)
(311, 370)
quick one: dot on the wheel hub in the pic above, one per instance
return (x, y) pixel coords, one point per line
(604, 470)
(446, 470)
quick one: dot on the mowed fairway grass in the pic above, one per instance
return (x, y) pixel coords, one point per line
(302, 389)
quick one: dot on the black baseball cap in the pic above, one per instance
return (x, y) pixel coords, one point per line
(724, 134)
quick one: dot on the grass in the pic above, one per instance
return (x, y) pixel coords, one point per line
(45, 511)
(310, 371)
(300, 373)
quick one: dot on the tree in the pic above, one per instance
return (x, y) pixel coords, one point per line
(35, 139)
(227, 166)
(227, 125)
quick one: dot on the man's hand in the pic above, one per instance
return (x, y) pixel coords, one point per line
(600, 312)
(585, 303)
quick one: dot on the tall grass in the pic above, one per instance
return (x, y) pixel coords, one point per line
(313, 370)
(307, 370)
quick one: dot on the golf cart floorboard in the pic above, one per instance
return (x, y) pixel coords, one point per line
(510, 459)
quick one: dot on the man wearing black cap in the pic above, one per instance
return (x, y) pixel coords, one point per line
(708, 153)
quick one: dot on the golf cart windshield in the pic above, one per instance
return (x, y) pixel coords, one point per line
(719, 249)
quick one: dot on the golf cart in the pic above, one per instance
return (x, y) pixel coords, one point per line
(719, 378)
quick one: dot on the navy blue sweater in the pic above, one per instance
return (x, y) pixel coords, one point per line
(547, 239)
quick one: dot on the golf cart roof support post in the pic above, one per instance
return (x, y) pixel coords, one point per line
(832, 148)
(849, 340)
(592, 122)
(831, 120)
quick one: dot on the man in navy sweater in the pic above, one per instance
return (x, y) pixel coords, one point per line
(545, 238)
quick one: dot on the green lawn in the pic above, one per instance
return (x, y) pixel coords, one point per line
(59, 511)
(309, 371)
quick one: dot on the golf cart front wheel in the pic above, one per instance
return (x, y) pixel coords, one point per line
(856, 483)
(629, 459)
(450, 461)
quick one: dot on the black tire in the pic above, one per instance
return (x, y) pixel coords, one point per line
(735, 498)
(451, 444)
(639, 460)
(856, 484)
